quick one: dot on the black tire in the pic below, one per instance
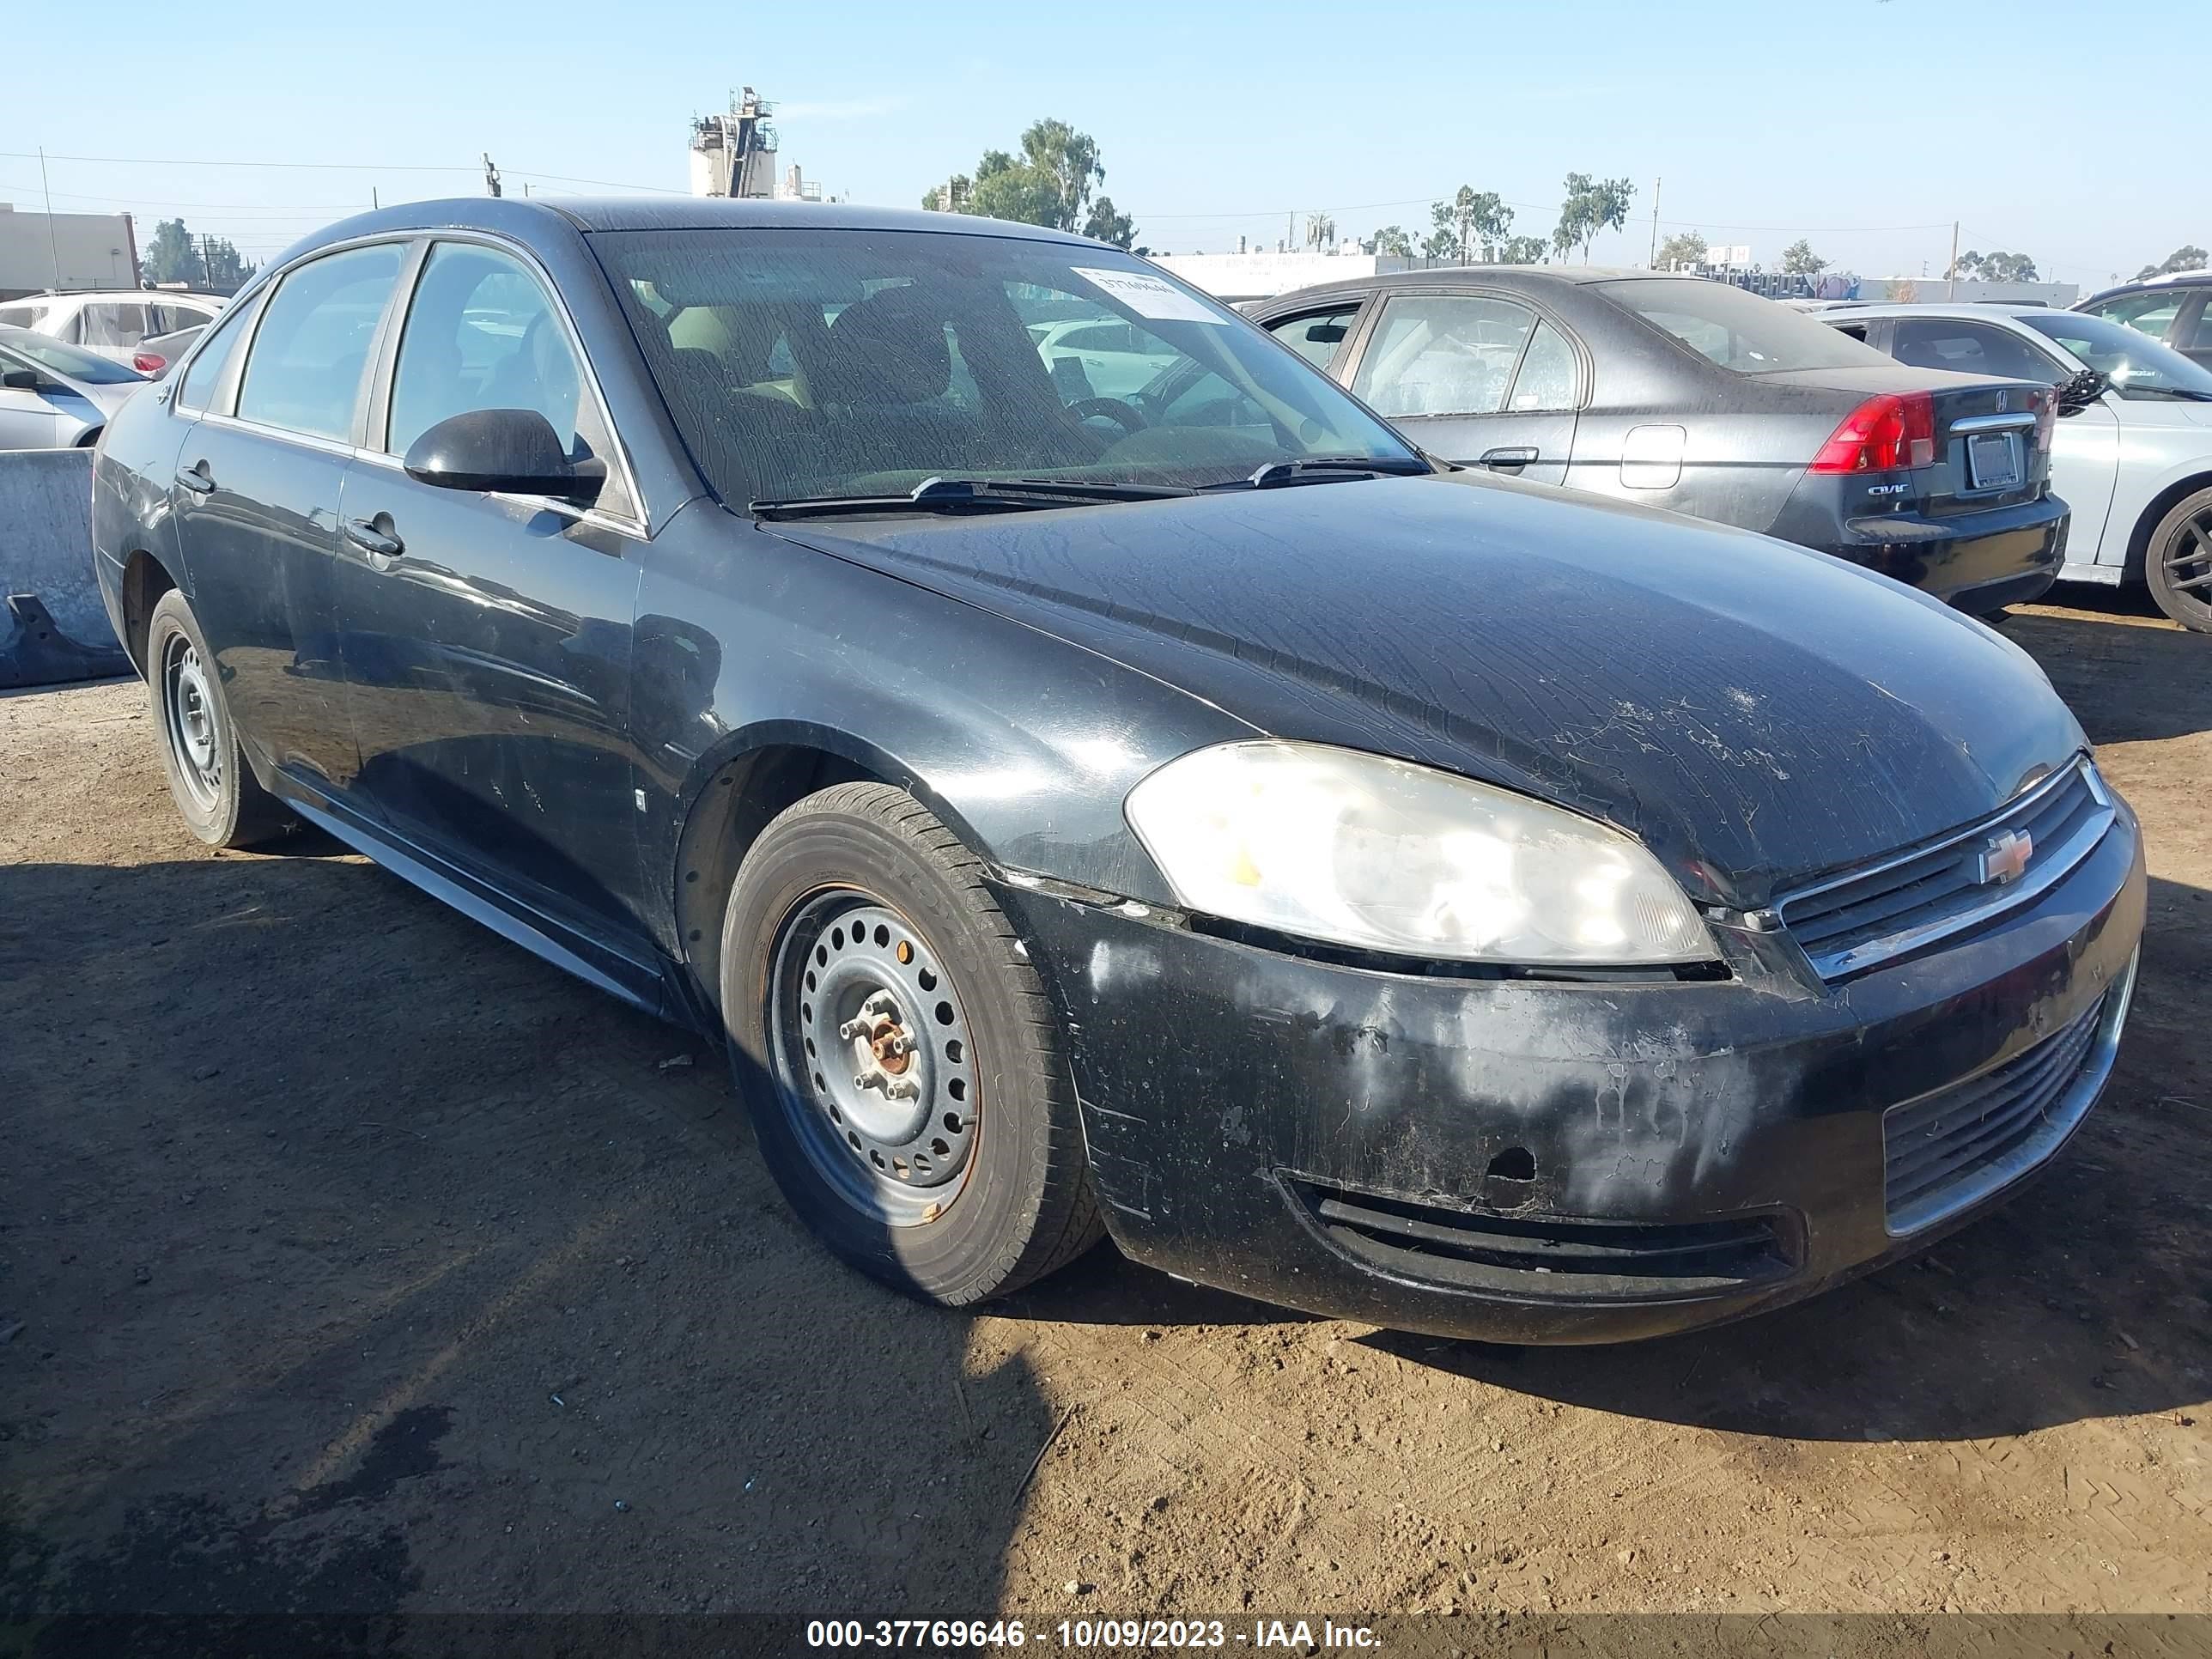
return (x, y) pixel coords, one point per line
(1020, 1204)
(2177, 562)
(220, 800)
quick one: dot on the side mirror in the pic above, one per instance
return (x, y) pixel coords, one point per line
(20, 379)
(512, 450)
(2084, 389)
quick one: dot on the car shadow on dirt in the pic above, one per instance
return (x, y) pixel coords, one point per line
(353, 1262)
(2127, 680)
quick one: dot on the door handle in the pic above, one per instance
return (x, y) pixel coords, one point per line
(1515, 457)
(195, 478)
(367, 536)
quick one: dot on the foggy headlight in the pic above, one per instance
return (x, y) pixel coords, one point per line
(1357, 849)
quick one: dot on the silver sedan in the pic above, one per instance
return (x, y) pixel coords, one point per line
(54, 396)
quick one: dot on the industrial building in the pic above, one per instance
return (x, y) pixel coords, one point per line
(40, 251)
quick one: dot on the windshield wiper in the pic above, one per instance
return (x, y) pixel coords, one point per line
(2188, 394)
(971, 495)
(1325, 469)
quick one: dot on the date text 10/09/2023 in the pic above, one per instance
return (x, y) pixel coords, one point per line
(1298, 1635)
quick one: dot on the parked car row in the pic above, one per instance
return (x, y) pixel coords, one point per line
(111, 322)
(1176, 808)
(54, 396)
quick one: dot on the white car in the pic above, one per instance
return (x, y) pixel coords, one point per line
(1119, 359)
(54, 396)
(2132, 455)
(110, 321)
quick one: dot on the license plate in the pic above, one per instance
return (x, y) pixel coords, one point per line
(1993, 458)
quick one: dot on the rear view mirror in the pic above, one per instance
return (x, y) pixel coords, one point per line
(2084, 389)
(513, 452)
(19, 380)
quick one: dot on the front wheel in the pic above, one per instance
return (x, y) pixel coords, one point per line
(904, 1069)
(2177, 562)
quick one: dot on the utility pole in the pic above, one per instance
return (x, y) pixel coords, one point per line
(1656, 183)
(53, 245)
(1951, 276)
(375, 203)
(491, 176)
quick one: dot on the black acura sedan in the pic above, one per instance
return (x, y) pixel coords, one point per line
(1679, 393)
(1411, 896)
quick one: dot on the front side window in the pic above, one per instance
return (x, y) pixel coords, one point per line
(110, 325)
(805, 363)
(303, 372)
(1970, 349)
(1315, 337)
(2138, 366)
(1443, 353)
(1739, 331)
(2151, 313)
(482, 333)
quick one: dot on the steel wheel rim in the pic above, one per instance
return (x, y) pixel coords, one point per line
(2191, 547)
(891, 1128)
(189, 722)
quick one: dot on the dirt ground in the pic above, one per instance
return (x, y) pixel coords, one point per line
(352, 1260)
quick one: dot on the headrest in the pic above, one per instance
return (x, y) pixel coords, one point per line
(889, 349)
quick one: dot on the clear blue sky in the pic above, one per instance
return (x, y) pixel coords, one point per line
(2073, 133)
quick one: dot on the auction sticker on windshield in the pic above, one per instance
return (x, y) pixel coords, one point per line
(1148, 296)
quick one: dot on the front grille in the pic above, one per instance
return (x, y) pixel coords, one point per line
(1542, 1256)
(1862, 918)
(1952, 1148)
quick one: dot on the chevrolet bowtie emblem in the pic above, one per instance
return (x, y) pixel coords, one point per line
(2005, 858)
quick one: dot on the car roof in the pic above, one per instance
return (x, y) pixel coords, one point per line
(525, 217)
(1450, 276)
(2144, 285)
(140, 294)
(1962, 310)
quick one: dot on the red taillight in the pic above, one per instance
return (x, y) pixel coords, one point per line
(149, 362)
(1883, 434)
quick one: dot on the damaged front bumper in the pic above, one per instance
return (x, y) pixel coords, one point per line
(1528, 1161)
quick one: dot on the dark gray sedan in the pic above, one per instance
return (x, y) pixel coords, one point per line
(1683, 393)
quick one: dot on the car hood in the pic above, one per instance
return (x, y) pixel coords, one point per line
(1756, 711)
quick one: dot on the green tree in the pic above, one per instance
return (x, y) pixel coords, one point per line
(1109, 224)
(1591, 206)
(1798, 260)
(2187, 257)
(1466, 221)
(172, 256)
(1996, 267)
(1052, 182)
(1521, 250)
(1393, 239)
(1684, 247)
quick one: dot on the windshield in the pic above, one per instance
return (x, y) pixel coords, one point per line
(1739, 330)
(66, 360)
(805, 363)
(2137, 365)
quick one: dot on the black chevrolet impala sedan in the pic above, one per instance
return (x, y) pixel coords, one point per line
(1193, 816)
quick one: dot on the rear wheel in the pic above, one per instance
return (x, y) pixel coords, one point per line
(2177, 562)
(904, 1069)
(216, 794)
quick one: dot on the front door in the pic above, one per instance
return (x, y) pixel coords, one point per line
(256, 505)
(486, 638)
(1476, 378)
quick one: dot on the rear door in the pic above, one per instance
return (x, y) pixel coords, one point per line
(1479, 378)
(256, 506)
(2085, 450)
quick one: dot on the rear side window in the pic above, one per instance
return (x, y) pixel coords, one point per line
(1443, 354)
(168, 319)
(206, 372)
(1739, 331)
(21, 316)
(111, 325)
(304, 371)
(1315, 337)
(1546, 379)
(1970, 349)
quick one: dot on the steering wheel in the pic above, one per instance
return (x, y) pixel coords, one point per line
(1128, 416)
